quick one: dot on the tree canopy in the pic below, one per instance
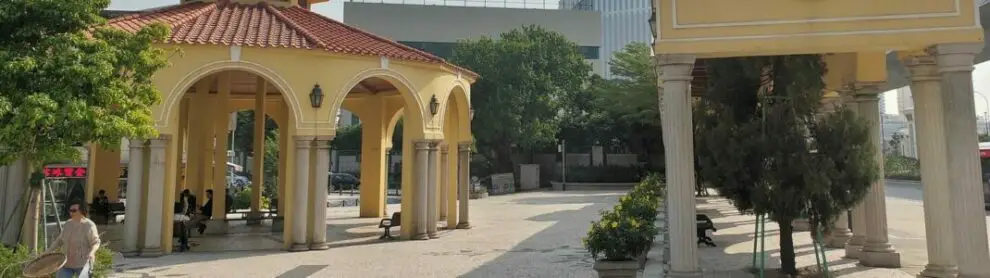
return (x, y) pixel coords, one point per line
(765, 145)
(526, 73)
(64, 83)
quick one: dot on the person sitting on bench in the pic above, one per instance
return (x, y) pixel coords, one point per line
(205, 213)
(179, 221)
(101, 206)
(704, 225)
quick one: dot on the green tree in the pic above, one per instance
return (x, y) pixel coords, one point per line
(764, 145)
(632, 105)
(64, 83)
(525, 73)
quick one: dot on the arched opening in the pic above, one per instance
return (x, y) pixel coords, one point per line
(372, 151)
(238, 119)
(456, 131)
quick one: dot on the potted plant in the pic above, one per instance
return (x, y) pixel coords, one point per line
(619, 242)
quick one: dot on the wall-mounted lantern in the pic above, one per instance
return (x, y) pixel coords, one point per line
(434, 105)
(316, 96)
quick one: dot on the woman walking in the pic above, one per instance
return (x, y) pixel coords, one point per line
(79, 241)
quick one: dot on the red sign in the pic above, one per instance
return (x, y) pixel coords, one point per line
(984, 153)
(65, 172)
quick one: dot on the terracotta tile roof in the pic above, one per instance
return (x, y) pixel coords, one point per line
(263, 25)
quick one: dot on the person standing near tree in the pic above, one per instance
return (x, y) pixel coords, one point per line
(79, 240)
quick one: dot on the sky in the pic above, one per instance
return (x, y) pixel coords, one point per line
(335, 9)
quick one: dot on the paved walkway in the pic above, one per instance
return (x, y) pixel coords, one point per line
(535, 234)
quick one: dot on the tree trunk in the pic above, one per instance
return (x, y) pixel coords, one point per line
(787, 264)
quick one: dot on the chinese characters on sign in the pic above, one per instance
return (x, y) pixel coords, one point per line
(65, 172)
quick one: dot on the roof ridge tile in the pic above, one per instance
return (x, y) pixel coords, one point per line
(285, 20)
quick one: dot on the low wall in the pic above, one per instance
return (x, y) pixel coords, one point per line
(593, 185)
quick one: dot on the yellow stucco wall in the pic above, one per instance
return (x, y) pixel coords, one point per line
(716, 28)
(295, 72)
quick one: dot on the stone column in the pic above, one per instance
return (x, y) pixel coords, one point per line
(877, 250)
(421, 183)
(955, 66)
(431, 191)
(156, 198)
(300, 190)
(678, 139)
(132, 210)
(932, 149)
(858, 212)
(319, 198)
(463, 184)
(840, 233)
(444, 181)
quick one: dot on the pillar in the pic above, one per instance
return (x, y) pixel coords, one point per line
(431, 191)
(421, 183)
(258, 165)
(955, 67)
(14, 185)
(198, 159)
(319, 198)
(877, 250)
(132, 211)
(156, 199)
(463, 184)
(299, 192)
(373, 152)
(451, 178)
(283, 169)
(180, 172)
(934, 172)
(444, 180)
(221, 126)
(858, 212)
(840, 233)
(678, 138)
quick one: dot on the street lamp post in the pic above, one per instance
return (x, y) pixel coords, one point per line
(562, 148)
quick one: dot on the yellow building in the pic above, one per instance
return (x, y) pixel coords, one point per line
(300, 69)
(936, 39)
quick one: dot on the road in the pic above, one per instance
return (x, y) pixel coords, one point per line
(906, 223)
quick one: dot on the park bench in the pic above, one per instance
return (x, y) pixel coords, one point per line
(116, 209)
(704, 225)
(388, 224)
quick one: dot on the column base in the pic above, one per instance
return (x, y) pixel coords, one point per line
(298, 247)
(880, 259)
(853, 247)
(131, 253)
(838, 239)
(939, 271)
(432, 235)
(688, 274)
(319, 246)
(152, 252)
(464, 225)
(254, 218)
(422, 236)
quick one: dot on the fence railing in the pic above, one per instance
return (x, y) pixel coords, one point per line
(519, 4)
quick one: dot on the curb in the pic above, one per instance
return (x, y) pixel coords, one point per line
(912, 182)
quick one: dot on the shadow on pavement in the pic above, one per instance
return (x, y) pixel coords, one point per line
(557, 248)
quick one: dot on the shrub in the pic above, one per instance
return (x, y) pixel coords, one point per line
(642, 207)
(243, 200)
(619, 237)
(651, 185)
(901, 167)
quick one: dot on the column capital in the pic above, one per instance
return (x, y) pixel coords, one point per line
(922, 67)
(136, 143)
(444, 148)
(464, 146)
(323, 142)
(955, 56)
(303, 142)
(161, 141)
(675, 67)
(422, 144)
(864, 91)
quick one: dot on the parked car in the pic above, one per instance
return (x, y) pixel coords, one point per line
(341, 181)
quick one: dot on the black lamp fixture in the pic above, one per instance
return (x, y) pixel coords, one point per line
(316, 96)
(434, 105)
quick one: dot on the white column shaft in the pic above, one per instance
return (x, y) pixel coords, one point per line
(132, 211)
(431, 192)
(300, 191)
(156, 198)
(955, 65)
(319, 198)
(840, 233)
(463, 184)
(678, 138)
(877, 250)
(928, 117)
(422, 183)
